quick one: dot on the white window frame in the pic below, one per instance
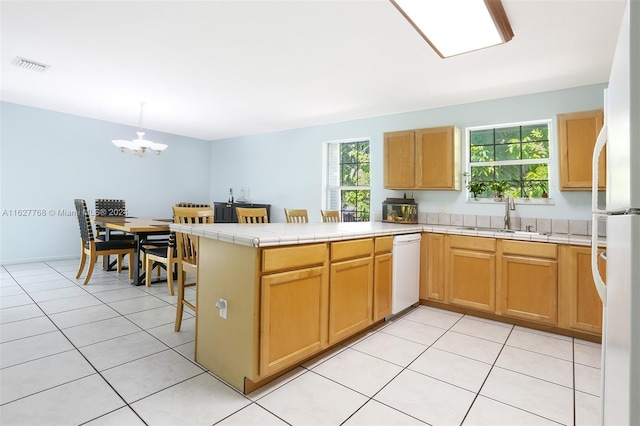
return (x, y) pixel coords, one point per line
(328, 175)
(549, 161)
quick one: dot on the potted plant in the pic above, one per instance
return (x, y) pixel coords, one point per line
(537, 187)
(498, 188)
(476, 187)
(544, 186)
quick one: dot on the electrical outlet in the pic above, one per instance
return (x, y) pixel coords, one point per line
(222, 307)
(443, 208)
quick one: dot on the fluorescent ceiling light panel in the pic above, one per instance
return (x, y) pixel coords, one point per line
(453, 27)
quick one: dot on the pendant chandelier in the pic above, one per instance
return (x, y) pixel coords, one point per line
(140, 145)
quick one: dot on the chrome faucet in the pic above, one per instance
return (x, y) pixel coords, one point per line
(509, 204)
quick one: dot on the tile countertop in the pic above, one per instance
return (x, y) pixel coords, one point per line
(280, 234)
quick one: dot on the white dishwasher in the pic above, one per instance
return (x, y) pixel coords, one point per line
(406, 272)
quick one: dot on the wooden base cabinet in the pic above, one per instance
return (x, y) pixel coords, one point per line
(350, 288)
(582, 304)
(293, 305)
(293, 317)
(432, 261)
(285, 304)
(540, 285)
(528, 281)
(471, 268)
(382, 277)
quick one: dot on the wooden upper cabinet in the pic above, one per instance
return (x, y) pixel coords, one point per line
(438, 158)
(577, 134)
(423, 159)
(399, 159)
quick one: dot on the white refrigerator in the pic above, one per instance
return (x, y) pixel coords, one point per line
(620, 137)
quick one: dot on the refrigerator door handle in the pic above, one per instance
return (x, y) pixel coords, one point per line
(601, 287)
(597, 150)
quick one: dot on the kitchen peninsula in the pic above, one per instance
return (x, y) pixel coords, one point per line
(291, 291)
(294, 290)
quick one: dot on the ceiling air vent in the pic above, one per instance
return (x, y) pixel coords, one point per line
(28, 64)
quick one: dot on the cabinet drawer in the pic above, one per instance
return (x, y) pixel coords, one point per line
(472, 243)
(522, 248)
(351, 249)
(292, 257)
(384, 244)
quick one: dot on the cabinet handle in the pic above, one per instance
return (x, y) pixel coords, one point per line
(603, 255)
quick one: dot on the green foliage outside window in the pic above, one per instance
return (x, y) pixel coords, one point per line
(354, 173)
(509, 155)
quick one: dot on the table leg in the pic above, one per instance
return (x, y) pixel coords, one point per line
(105, 259)
(136, 261)
(107, 264)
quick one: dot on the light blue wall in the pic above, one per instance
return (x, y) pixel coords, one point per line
(50, 158)
(285, 168)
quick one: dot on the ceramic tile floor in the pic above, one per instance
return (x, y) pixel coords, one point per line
(106, 354)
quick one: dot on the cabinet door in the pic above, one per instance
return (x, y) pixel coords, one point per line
(585, 306)
(350, 297)
(399, 160)
(382, 284)
(438, 158)
(577, 134)
(528, 288)
(293, 317)
(432, 267)
(472, 279)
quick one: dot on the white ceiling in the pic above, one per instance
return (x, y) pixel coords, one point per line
(218, 69)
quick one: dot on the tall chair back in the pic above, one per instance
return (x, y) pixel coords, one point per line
(106, 207)
(296, 215)
(187, 204)
(187, 250)
(252, 215)
(93, 248)
(84, 221)
(330, 215)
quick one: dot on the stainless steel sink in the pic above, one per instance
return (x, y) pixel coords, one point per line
(506, 231)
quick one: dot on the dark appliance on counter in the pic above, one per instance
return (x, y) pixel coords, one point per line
(400, 210)
(226, 212)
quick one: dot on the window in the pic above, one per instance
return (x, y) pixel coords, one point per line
(348, 179)
(509, 159)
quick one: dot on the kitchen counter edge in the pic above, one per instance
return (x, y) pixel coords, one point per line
(281, 234)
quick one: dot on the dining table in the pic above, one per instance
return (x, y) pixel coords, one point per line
(143, 229)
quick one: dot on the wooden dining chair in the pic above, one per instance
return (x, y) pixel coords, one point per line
(161, 253)
(106, 207)
(252, 215)
(330, 215)
(187, 250)
(296, 215)
(94, 248)
(162, 258)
